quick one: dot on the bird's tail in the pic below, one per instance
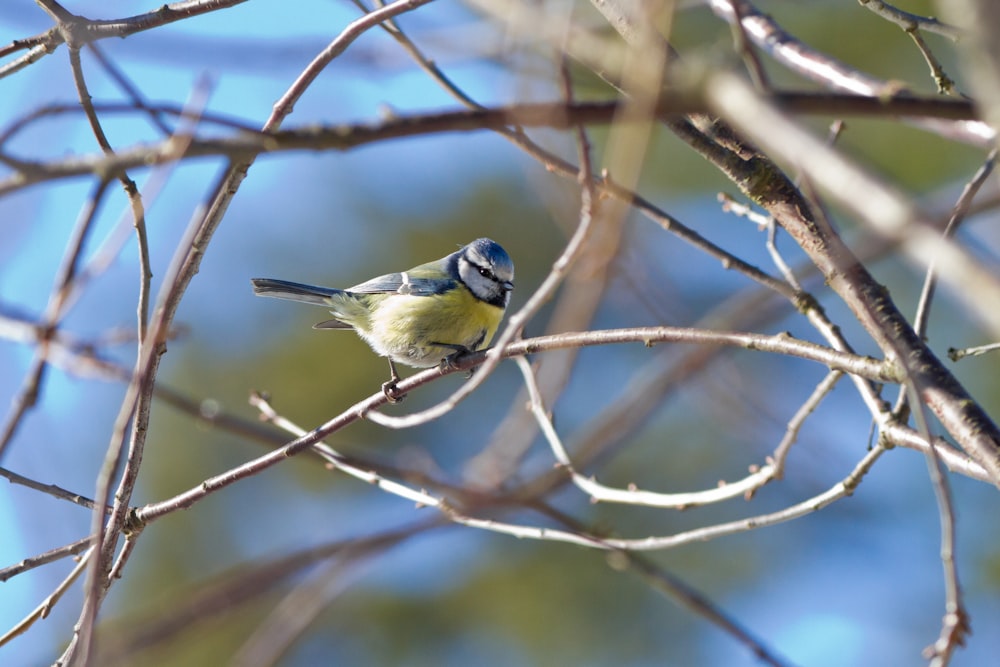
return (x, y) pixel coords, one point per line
(285, 289)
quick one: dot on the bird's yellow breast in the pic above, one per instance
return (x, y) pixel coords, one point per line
(422, 330)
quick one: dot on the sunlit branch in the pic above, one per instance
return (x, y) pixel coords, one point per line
(45, 558)
(885, 210)
(794, 424)
(910, 22)
(831, 73)
(45, 608)
(633, 496)
(77, 31)
(49, 489)
(556, 115)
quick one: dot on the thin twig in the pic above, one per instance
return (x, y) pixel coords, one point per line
(30, 390)
(809, 406)
(955, 622)
(81, 31)
(43, 610)
(955, 354)
(742, 46)
(130, 89)
(945, 85)
(909, 21)
(759, 476)
(128, 185)
(45, 558)
(49, 489)
(957, 217)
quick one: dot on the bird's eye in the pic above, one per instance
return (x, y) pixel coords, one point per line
(485, 273)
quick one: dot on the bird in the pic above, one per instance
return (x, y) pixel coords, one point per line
(422, 317)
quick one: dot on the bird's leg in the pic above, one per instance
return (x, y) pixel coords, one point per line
(389, 388)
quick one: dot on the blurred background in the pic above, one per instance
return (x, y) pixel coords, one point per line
(857, 583)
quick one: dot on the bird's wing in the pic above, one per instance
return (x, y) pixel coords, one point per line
(404, 283)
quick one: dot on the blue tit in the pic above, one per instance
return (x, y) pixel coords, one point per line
(422, 316)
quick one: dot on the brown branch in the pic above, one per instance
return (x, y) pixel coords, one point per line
(50, 489)
(77, 31)
(247, 146)
(884, 210)
(910, 22)
(45, 558)
(128, 185)
(780, 343)
(817, 66)
(108, 108)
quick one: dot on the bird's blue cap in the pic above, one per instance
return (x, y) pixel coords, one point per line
(492, 254)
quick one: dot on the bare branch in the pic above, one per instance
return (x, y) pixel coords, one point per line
(346, 137)
(910, 22)
(809, 62)
(892, 215)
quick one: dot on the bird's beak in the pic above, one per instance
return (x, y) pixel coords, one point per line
(507, 286)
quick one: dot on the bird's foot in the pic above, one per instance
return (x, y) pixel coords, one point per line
(450, 363)
(392, 393)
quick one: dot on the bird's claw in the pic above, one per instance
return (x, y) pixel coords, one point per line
(450, 363)
(392, 393)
